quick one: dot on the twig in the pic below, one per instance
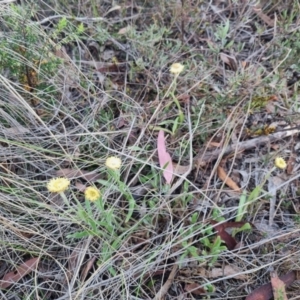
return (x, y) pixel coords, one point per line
(270, 22)
(164, 289)
(202, 159)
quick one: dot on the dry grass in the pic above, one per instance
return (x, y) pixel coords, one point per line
(71, 96)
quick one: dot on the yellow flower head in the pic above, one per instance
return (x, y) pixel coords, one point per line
(280, 163)
(176, 68)
(113, 163)
(58, 185)
(92, 193)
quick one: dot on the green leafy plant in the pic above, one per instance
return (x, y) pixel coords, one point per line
(246, 200)
(214, 249)
(213, 245)
(221, 34)
(108, 223)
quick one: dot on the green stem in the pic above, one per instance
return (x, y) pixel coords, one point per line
(124, 190)
(171, 92)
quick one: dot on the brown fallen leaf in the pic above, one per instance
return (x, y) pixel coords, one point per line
(179, 169)
(124, 30)
(258, 10)
(184, 98)
(214, 144)
(72, 173)
(229, 60)
(22, 270)
(291, 164)
(230, 242)
(278, 287)
(265, 292)
(227, 180)
(80, 187)
(87, 268)
(228, 270)
(244, 64)
(194, 288)
(73, 260)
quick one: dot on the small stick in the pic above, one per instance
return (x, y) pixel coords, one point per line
(164, 289)
(202, 159)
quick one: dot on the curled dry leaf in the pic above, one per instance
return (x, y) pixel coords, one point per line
(229, 60)
(230, 242)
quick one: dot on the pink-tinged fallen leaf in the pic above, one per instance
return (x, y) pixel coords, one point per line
(22, 270)
(265, 292)
(164, 157)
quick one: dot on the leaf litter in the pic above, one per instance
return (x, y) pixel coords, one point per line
(22, 270)
(229, 63)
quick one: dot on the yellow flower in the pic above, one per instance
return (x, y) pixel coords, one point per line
(92, 193)
(176, 68)
(280, 163)
(58, 185)
(113, 163)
